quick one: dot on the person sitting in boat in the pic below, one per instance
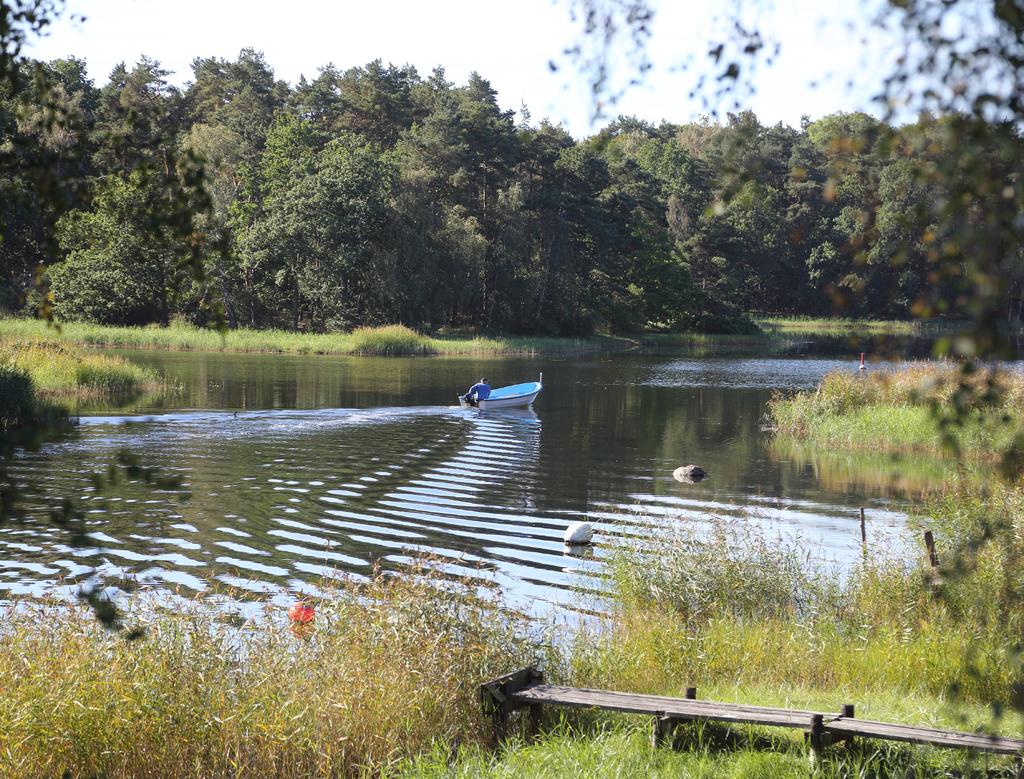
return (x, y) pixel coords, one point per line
(479, 391)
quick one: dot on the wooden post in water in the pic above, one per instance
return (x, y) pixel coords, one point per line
(863, 531)
(929, 542)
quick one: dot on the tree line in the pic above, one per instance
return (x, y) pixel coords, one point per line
(374, 195)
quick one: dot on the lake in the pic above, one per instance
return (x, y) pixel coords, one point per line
(303, 466)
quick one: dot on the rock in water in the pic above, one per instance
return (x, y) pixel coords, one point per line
(579, 533)
(689, 473)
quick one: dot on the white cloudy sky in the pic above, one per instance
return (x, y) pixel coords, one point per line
(825, 45)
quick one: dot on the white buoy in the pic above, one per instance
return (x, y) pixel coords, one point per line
(579, 533)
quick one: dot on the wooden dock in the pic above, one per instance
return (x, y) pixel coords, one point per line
(525, 689)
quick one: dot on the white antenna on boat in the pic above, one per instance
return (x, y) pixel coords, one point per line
(541, 379)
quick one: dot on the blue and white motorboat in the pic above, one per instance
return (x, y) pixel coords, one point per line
(515, 395)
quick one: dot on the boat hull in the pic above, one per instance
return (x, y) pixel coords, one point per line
(513, 396)
(517, 401)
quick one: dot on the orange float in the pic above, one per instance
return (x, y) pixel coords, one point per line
(301, 613)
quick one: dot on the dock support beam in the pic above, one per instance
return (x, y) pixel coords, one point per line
(494, 697)
(816, 738)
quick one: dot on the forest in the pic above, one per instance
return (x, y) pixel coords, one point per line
(374, 195)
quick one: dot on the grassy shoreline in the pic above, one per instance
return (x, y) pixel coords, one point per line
(399, 340)
(388, 670)
(38, 378)
(384, 683)
(840, 326)
(891, 413)
(391, 340)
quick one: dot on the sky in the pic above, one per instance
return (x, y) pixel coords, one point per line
(830, 58)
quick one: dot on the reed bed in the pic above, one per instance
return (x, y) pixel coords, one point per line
(392, 340)
(894, 411)
(742, 609)
(384, 684)
(389, 340)
(38, 377)
(60, 370)
(388, 670)
(837, 326)
(749, 618)
(17, 398)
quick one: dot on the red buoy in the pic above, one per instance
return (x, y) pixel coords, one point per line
(301, 613)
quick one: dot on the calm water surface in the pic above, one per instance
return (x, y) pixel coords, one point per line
(301, 466)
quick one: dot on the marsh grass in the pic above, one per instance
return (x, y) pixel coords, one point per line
(38, 377)
(742, 609)
(17, 398)
(894, 411)
(59, 370)
(389, 670)
(748, 618)
(838, 326)
(385, 683)
(390, 340)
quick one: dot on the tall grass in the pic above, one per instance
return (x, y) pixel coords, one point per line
(702, 751)
(389, 670)
(750, 619)
(60, 370)
(739, 609)
(385, 682)
(892, 411)
(388, 340)
(17, 398)
(834, 326)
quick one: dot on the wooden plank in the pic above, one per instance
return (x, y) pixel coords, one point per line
(917, 735)
(526, 688)
(662, 705)
(514, 680)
